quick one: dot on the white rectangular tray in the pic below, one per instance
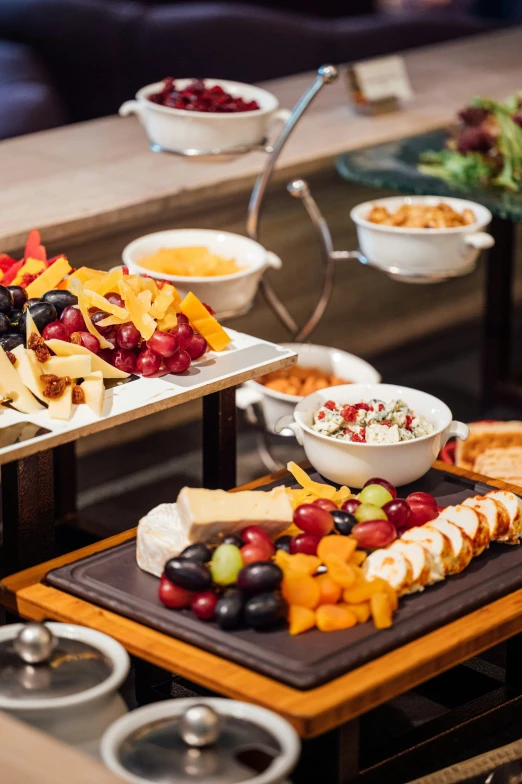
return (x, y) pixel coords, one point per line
(245, 358)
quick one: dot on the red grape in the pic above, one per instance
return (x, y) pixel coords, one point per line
(115, 299)
(197, 347)
(253, 552)
(325, 503)
(106, 354)
(163, 343)
(148, 362)
(128, 336)
(107, 332)
(204, 605)
(440, 509)
(124, 359)
(55, 330)
(421, 513)
(305, 543)
(350, 505)
(178, 363)
(397, 512)
(88, 341)
(184, 334)
(173, 596)
(375, 480)
(73, 320)
(182, 319)
(374, 533)
(313, 520)
(254, 534)
(425, 498)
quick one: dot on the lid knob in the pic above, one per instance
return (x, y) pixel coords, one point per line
(34, 643)
(200, 726)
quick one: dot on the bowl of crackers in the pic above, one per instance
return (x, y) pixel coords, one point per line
(422, 235)
(275, 395)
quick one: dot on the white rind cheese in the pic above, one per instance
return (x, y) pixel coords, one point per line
(160, 537)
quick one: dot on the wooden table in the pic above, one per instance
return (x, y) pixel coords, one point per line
(326, 717)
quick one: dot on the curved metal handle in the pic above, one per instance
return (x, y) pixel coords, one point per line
(326, 74)
(480, 240)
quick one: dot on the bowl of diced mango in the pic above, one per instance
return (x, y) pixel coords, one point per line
(219, 267)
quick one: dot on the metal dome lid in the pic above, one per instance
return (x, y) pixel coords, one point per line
(201, 740)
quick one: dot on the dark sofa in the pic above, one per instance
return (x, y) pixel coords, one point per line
(70, 60)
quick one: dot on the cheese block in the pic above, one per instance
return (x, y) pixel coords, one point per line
(460, 543)
(391, 566)
(160, 537)
(513, 505)
(75, 366)
(205, 514)
(63, 349)
(94, 392)
(30, 371)
(49, 278)
(61, 407)
(472, 523)
(12, 388)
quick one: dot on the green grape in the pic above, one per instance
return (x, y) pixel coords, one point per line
(369, 512)
(375, 494)
(226, 564)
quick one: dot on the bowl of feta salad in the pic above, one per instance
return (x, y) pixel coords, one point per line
(355, 431)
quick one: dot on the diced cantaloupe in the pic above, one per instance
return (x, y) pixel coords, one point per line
(204, 323)
(63, 349)
(49, 279)
(12, 388)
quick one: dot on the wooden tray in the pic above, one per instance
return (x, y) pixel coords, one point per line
(112, 580)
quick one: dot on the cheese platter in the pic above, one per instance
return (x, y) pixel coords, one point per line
(301, 654)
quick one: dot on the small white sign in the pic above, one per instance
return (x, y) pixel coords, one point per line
(385, 77)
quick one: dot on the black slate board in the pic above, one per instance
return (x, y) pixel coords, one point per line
(112, 580)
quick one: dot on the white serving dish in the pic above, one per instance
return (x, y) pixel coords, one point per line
(275, 404)
(142, 718)
(179, 130)
(228, 295)
(78, 719)
(344, 462)
(419, 252)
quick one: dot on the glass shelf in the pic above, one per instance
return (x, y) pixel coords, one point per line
(394, 165)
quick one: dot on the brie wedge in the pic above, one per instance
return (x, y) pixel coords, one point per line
(160, 537)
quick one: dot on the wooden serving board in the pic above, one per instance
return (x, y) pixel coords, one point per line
(111, 579)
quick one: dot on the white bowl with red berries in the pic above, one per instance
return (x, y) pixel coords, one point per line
(202, 116)
(349, 438)
(230, 295)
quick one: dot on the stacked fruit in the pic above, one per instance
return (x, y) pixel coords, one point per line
(235, 583)
(45, 311)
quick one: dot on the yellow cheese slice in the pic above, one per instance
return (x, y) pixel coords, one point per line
(30, 327)
(204, 323)
(165, 298)
(61, 407)
(63, 349)
(111, 321)
(145, 325)
(30, 370)
(31, 267)
(109, 282)
(145, 300)
(169, 320)
(49, 279)
(97, 301)
(12, 388)
(94, 392)
(77, 288)
(75, 366)
(317, 488)
(86, 273)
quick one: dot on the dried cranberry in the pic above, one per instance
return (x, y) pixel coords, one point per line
(197, 97)
(349, 413)
(321, 415)
(360, 437)
(330, 405)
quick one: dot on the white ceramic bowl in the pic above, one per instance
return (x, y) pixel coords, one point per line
(274, 724)
(275, 405)
(422, 252)
(228, 295)
(352, 464)
(78, 719)
(178, 130)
